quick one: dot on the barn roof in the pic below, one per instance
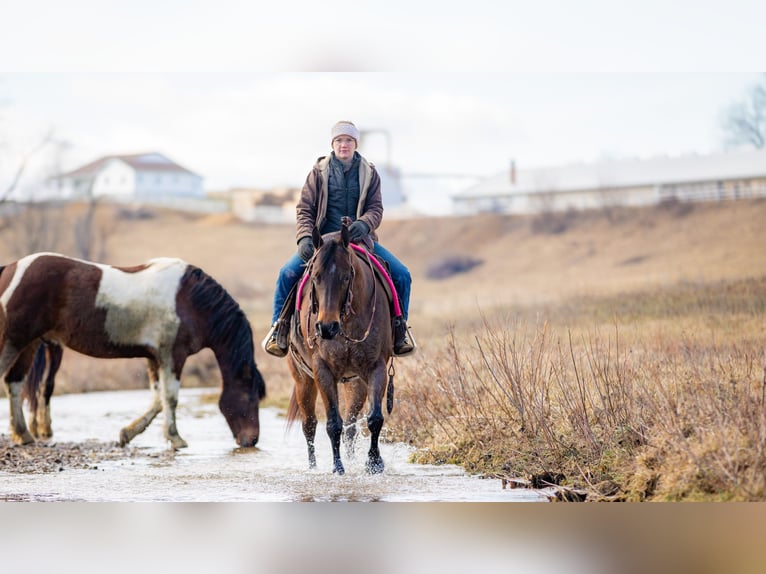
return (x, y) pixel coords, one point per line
(150, 161)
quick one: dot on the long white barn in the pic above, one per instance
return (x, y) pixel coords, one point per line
(733, 175)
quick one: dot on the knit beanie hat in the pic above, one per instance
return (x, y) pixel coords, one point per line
(344, 128)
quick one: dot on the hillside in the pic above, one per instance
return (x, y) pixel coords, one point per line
(525, 261)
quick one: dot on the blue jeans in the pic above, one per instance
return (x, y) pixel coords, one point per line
(292, 271)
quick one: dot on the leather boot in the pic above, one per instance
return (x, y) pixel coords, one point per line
(275, 342)
(404, 342)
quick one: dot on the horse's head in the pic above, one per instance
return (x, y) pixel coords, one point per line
(239, 402)
(332, 272)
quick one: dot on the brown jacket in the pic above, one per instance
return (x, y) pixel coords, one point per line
(312, 205)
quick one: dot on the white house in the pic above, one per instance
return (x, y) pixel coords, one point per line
(733, 175)
(143, 177)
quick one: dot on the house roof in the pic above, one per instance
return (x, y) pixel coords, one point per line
(150, 161)
(744, 164)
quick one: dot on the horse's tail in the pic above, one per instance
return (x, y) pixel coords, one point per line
(292, 410)
(34, 377)
(48, 356)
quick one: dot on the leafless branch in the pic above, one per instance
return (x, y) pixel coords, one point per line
(21, 168)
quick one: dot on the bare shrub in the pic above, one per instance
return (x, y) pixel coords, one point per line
(677, 415)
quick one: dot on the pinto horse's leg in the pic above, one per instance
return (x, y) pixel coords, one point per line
(169, 386)
(15, 366)
(375, 419)
(328, 389)
(355, 394)
(139, 425)
(48, 356)
(44, 423)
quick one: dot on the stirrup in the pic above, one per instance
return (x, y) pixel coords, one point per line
(275, 342)
(404, 342)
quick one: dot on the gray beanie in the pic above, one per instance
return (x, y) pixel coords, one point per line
(344, 128)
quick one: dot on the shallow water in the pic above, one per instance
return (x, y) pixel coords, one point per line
(212, 468)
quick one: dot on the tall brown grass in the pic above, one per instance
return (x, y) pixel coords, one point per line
(664, 401)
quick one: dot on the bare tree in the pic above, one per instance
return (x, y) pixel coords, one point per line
(745, 121)
(22, 166)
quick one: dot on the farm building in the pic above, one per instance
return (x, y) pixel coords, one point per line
(141, 177)
(632, 182)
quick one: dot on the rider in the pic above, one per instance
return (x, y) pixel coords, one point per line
(341, 184)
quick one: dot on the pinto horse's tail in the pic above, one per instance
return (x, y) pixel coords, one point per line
(48, 357)
(34, 377)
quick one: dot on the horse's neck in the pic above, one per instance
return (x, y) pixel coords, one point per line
(230, 344)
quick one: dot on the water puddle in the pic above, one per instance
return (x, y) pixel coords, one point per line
(213, 469)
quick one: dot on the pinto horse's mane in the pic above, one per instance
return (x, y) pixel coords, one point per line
(228, 325)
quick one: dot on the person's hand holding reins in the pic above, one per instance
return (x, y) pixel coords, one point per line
(305, 248)
(358, 231)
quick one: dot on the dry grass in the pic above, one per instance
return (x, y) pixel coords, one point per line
(663, 404)
(617, 352)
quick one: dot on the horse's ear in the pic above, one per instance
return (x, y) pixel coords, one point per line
(316, 238)
(344, 236)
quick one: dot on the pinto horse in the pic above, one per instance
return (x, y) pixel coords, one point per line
(163, 310)
(341, 333)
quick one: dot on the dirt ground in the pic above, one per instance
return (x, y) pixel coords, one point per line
(58, 456)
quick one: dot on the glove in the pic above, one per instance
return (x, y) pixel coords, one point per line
(358, 230)
(305, 248)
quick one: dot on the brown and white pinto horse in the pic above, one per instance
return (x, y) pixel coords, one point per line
(163, 310)
(341, 334)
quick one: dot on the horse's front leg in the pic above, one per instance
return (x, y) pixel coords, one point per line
(14, 381)
(328, 388)
(375, 419)
(355, 394)
(169, 386)
(306, 398)
(139, 425)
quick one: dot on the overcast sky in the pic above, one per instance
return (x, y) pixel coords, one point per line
(542, 83)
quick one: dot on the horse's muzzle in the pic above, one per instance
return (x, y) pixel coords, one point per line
(327, 330)
(247, 440)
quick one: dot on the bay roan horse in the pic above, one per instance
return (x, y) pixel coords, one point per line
(340, 334)
(163, 310)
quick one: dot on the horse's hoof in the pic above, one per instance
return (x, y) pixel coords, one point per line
(24, 438)
(177, 442)
(339, 470)
(375, 466)
(124, 438)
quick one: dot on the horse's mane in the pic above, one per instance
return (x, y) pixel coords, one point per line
(228, 325)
